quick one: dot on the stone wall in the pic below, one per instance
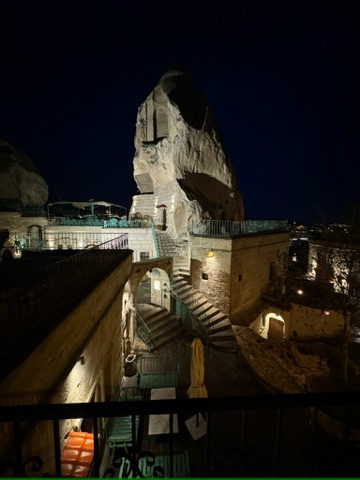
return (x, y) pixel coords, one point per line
(310, 323)
(16, 224)
(251, 261)
(140, 239)
(300, 322)
(81, 360)
(211, 275)
(235, 277)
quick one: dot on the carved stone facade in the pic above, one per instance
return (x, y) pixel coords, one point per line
(180, 165)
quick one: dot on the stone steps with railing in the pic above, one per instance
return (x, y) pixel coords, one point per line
(167, 244)
(162, 325)
(216, 325)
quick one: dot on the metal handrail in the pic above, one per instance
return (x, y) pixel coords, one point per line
(35, 301)
(144, 331)
(229, 228)
(193, 303)
(281, 404)
(156, 243)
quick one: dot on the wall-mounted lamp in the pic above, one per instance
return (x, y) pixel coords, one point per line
(210, 253)
(82, 360)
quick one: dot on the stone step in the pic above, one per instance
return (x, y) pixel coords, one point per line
(163, 323)
(204, 317)
(219, 320)
(146, 310)
(201, 302)
(184, 292)
(181, 267)
(181, 284)
(178, 281)
(155, 312)
(203, 308)
(220, 328)
(153, 320)
(166, 337)
(223, 336)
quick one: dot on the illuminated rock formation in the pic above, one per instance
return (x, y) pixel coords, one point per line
(21, 184)
(180, 166)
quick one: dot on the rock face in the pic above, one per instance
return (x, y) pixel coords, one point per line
(21, 184)
(180, 166)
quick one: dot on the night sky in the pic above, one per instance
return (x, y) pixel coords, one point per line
(282, 79)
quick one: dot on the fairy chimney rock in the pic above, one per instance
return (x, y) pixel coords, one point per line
(21, 184)
(180, 166)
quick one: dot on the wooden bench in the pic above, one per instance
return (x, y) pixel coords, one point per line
(181, 466)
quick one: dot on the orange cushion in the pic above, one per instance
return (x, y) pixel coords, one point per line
(67, 469)
(78, 434)
(75, 442)
(88, 444)
(80, 471)
(85, 457)
(69, 455)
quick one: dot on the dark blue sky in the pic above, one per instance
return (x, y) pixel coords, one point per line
(281, 77)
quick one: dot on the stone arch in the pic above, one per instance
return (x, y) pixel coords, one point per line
(158, 270)
(160, 288)
(35, 233)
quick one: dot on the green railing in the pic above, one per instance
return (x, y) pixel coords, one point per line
(228, 228)
(144, 331)
(91, 221)
(157, 248)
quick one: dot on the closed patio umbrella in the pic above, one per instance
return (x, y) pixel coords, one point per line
(197, 388)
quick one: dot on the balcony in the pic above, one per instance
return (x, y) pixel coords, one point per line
(251, 436)
(43, 287)
(227, 228)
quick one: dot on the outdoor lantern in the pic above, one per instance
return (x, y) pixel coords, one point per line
(210, 253)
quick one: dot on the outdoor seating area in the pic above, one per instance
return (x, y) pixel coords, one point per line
(156, 377)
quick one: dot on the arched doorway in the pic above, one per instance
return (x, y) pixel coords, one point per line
(275, 327)
(162, 216)
(35, 233)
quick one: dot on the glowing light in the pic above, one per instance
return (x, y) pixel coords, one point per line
(210, 253)
(326, 312)
(300, 292)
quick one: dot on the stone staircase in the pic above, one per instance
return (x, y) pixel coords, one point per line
(215, 325)
(162, 324)
(167, 244)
